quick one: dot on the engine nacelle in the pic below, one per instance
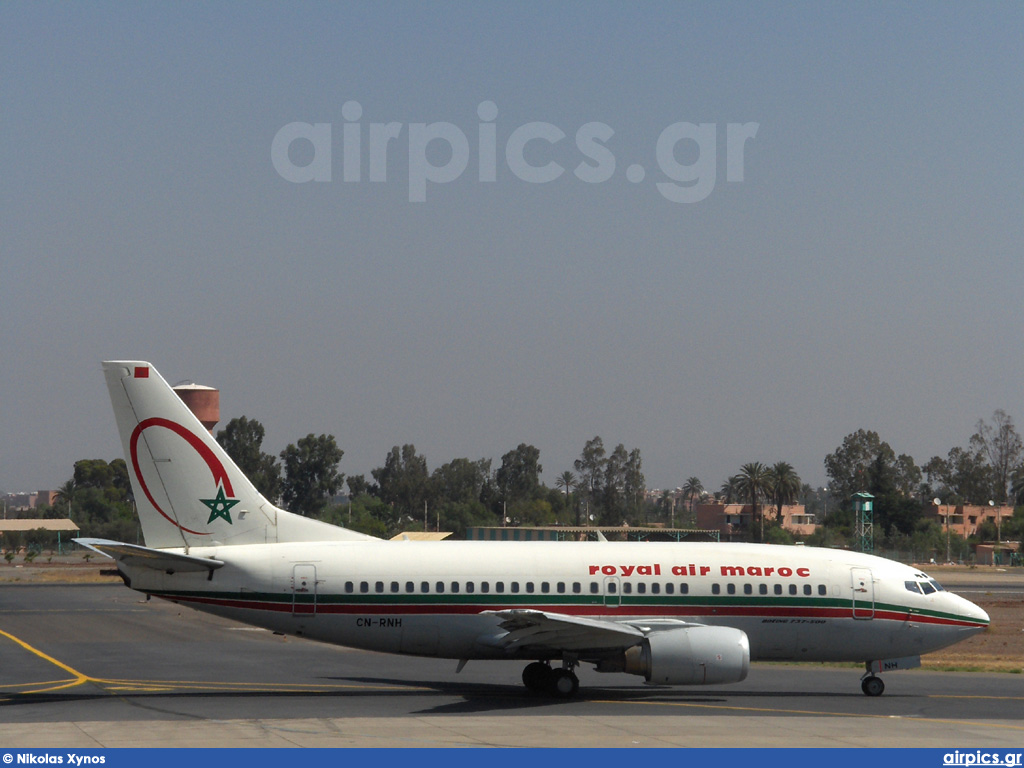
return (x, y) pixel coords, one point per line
(691, 656)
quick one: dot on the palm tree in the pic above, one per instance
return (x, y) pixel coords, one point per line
(753, 485)
(567, 480)
(784, 486)
(665, 502)
(1017, 485)
(66, 494)
(692, 488)
(730, 490)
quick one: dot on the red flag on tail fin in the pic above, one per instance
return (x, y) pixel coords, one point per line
(142, 372)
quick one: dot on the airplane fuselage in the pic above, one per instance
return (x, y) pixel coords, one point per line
(439, 598)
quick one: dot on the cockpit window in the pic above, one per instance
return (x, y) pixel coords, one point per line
(927, 587)
(912, 586)
(935, 586)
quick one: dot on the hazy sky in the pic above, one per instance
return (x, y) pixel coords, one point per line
(865, 273)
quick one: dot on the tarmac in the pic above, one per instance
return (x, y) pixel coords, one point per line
(99, 666)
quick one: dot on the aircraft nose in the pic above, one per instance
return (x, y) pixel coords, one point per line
(973, 612)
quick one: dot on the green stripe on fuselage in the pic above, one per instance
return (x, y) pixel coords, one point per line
(525, 600)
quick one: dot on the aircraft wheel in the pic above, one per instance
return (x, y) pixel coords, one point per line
(537, 676)
(872, 686)
(564, 683)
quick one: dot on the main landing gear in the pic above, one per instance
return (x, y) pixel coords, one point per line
(562, 683)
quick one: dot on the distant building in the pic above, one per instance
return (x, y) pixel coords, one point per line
(964, 519)
(588, 533)
(22, 502)
(733, 521)
(1007, 553)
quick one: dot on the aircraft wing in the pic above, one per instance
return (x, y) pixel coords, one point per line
(144, 557)
(529, 630)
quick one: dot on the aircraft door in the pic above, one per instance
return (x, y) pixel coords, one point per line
(304, 590)
(863, 593)
(612, 592)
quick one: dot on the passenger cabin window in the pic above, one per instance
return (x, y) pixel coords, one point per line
(641, 588)
(349, 587)
(440, 587)
(655, 588)
(455, 586)
(792, 589)
(424, 587)
(485, 587)
(499, 586)
(684, 588)
(594, 587)
(627, 588)
(576, 587)
(748, 589)
(394, 586)
(670, 588)
(807, 589)
(716, 589)
(611, 588)
(469, 586)
(545, 587)
(410, 586)
(778, 589)
(762, 589)
(378, 587)
(364, 586)
(730, 588)
(529, 587)
(822, 590)
(515, 587)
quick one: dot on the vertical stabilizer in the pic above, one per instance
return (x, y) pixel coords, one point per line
(188, 491)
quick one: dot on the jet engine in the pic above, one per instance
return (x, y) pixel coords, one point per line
(688, 656)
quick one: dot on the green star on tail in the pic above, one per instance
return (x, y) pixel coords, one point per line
(220, 506)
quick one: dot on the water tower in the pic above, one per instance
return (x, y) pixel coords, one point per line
(204, 402)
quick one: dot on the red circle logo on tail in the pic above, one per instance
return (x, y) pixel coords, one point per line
(220, 475)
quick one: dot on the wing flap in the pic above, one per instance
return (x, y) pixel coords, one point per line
(144, 557)
(528, 630)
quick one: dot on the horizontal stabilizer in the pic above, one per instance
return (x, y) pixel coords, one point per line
(144, 557)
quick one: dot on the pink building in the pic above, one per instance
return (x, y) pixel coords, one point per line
(965, 518)
(19, 502)
(734, 520)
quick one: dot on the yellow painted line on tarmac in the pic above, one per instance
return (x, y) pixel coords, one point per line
(12, 687)
(957, 696)
(124, 685)
(256, 687)
(79, 678)
(815, 712)
(151, 686)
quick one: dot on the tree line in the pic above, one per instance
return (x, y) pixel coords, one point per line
(404, 495)
(603, 488)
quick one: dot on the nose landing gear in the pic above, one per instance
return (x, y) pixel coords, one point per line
(872, 686)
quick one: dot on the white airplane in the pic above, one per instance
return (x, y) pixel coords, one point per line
(673, 613)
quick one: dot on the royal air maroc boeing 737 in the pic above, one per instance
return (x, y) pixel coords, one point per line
(673, 613)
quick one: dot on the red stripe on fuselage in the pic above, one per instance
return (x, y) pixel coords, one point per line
(795, 612)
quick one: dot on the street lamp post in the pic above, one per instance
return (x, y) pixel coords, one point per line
(999, 530)
(937, 502)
